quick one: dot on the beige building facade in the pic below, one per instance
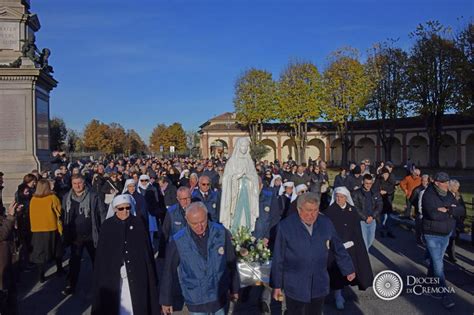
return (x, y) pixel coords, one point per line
(410, 141)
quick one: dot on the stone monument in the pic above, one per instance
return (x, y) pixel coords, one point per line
(25, 84)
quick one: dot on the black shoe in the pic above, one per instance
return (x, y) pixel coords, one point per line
(389, 234)
(452, 259)
(264, 307)
(42, 279)
(67, 291)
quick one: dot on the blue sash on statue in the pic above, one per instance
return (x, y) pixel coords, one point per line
(242, 207)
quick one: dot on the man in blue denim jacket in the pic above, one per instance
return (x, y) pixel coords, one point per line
(300, 256)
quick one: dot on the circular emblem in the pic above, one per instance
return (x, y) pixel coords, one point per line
(214, 205)
(221, 250)
(267, 209)
(387, 285)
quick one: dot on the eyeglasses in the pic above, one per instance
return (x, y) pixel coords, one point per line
(143, 180)
(205, 184)
(124, 208)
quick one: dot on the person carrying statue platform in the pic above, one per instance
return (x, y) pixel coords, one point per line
(202, 257)
(209, 197)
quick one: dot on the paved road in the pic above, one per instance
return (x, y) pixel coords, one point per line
(401, 255)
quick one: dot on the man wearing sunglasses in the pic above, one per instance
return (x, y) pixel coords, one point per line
(175, 217)
(210, 198)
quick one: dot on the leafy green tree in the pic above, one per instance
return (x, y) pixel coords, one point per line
(254, 101)
(435, 84)
(133, 143)
(57, 133)
(159, 137)
(258, 151)
(347, 86)
(388, 70)
(74, 141)
(177, 136)
(115, 136)
(95, 135)
(300, 100)
(465, 42)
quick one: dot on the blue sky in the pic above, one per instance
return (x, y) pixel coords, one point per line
(140, 63)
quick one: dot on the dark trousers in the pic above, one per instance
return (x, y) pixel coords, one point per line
(77, 247)
(419, 229)
(315, 307)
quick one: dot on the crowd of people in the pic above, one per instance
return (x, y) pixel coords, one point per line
(151, 229)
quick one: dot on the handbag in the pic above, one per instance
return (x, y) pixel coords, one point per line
(110, 197)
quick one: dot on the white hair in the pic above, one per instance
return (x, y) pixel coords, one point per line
(195, 206)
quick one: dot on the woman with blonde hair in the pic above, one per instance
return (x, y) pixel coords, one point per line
(46, 228)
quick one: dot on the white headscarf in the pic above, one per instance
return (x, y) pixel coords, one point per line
(282, 190)
(128, 182)
(119, 200)
(342, 190)
(144, 187)
(275, 177)
(301, 187)
(183, 173)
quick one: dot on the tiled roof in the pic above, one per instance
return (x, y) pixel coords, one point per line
(401, 123)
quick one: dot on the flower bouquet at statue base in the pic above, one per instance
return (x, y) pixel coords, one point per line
(253, 258)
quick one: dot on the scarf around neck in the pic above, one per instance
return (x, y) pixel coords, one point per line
(441, 192)
(84, 201)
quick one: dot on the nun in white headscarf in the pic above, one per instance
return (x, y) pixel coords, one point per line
(141, 207)
(299, 190)
(276, 183)
(347, 223)
(288, 195)
(125, 280)
(150, 194)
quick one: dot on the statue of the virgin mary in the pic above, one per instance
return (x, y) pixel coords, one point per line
(239, 201)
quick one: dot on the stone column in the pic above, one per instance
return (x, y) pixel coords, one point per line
(459, 149)
(25, 84)
(231, 144)
(279, 148)
(205, 145)
(404, 147)
(327, 148)
(378, 155)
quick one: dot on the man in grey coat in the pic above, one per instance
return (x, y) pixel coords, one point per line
(83, 214)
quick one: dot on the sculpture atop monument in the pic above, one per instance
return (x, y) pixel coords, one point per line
(240, 191)
(25, 86)
(29, 49)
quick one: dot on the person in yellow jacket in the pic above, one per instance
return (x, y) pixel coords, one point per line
(46, 228)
